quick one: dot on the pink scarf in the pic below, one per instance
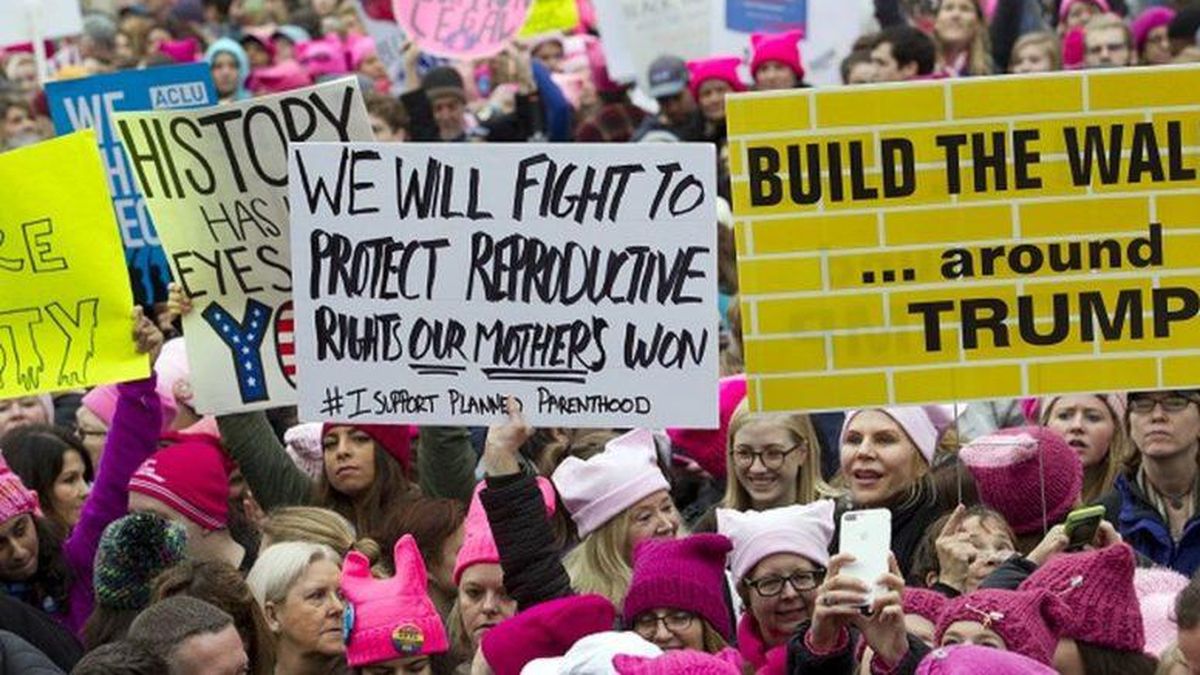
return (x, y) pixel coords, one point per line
(766, 659)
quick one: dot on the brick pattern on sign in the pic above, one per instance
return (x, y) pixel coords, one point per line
(829, 285)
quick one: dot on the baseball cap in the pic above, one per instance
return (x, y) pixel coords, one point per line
(668, 76)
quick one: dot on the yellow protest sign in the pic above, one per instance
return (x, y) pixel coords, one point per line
(548, 16)
(966, 239)
(65, 301)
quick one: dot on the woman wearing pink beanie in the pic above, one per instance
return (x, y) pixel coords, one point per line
(1094, 426)
(1150, 35)
(1026, 622)
(94, 415)
(778, 560)
(886, 456)
(710, 81)
(391, 625)
(1075, 13)
(775, 60)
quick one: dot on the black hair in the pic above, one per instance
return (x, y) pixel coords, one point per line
(1187, 606)
(910, 45)
(36, 454)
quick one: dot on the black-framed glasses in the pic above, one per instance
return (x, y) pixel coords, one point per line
(800, 581)
(1173, 402)
(676, 622)
(771, 457)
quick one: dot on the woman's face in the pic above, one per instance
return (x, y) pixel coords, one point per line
(879, 460)
(225, 74)
(91, 432)
(712, 99)
(18, 548)
(20, 412)
(1157, 49)
(992, 545)
(779, 615)
(1079, 14)
(349, 460)
(1160, 434)
(1086, 424)
(18, 122)
(774, 75)
(409, 665)
(766, 462)
(654, 517)
(373, 67)
(957, 22)
(1032, 59)
(309, 619)
(482, 600)
(70, 488)
(670, 628)
(550, 53)
(972, 633)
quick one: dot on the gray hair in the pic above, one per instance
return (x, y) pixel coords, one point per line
(280, 565)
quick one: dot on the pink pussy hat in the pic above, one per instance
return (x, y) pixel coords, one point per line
(681, 662)
(805, 530)
(915, 422)
(598, 489)
(724, 68)
(781, 47)
(967, 659)
(685, 574)
(15, 498)
(1027, 621)
(1156, 590)
(546, 630)
(102, 402)
(390, 618)
(479, 546)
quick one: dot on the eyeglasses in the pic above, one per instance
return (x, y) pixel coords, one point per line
(804, 580)
(1170, 403)
(772, 458)
(646, 625)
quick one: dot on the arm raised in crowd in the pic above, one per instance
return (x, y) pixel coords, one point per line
(446, 463)
(533, 569)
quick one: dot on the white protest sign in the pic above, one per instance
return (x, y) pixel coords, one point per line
(636, 33)
(20, 20)
(433, 280)
(215, 182)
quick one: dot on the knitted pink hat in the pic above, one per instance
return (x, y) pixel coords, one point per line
(478, 544)
(708, 446)
(1065, 7)
(545, 630)
(281, 77)
(914, 420)
(15, 498)
(1033, 408)
(1072, 49)
(186, 50)
(781, 47)
(390, 618)
(596, 490)
(303, 445)
(1097, 588)
(681, 662)
(1148, 20)
(358, 48)
(1156, 590)
(683, 574)
(102, 402)
(803, 529)
(1029, 474)
(975, 659)
(1027, 620)
(923, 602)
(724, 68)
(395, 439)
(190, 477)
(323, 57)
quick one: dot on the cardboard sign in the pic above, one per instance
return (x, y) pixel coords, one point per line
(550, 16)
(215, 181)
(636, 33)
(88, 103)
(969, 239)
(20, 20)
(464, 30)
(65, 307)
(433, 280)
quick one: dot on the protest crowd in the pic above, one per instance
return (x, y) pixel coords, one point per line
(140, 535)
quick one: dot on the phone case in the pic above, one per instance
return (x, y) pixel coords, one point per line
(867, 535)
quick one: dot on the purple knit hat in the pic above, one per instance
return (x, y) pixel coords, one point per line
(683, 574)
(914, 420)
(975, 659)
(1027, 620)
(1097, 588)
(1029, 474)
(681, 662)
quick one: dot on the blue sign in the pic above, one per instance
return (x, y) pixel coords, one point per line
(770, 16)
(88, 103)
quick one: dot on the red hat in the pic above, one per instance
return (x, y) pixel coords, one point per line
(1027, 620)
(680, 662)
(709, 446)
(545, 630)
(1097, 586)
(781, 47)
(685, 574)
(479, 546)
(395, 439)
(192, 477)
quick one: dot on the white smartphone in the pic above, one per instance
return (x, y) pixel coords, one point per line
(866, 535)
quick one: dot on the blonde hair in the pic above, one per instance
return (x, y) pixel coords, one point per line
(1170, 658)
(809, 484)
(280, 565)
(1046, 41)
(979, 52)
(600, 564)
(1098, 480)
(460, 641)
(1105, 21)
(315, 525)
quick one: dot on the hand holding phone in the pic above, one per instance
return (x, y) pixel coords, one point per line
(866, 535)
(1081, 526)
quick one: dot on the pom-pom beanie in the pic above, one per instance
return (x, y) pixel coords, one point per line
(133, 551)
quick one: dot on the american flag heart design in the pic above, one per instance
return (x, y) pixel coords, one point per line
(285, 342)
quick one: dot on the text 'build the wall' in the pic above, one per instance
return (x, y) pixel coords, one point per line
(432, 281)
(969, 239)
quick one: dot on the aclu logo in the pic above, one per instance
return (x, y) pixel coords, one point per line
(182, 95)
